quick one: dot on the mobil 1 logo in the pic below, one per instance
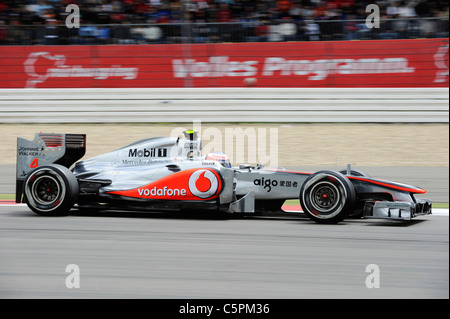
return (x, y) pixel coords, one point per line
(152, 152)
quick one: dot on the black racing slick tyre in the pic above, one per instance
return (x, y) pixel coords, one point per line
(51, 190)
(327, 197)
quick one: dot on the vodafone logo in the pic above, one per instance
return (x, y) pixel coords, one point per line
(203, 183)
(192, 185)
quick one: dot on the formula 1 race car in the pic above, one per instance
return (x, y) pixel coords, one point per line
(170, 173)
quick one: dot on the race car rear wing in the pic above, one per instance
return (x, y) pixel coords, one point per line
(46, 148)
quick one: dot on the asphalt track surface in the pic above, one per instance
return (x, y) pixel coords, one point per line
(156, 255)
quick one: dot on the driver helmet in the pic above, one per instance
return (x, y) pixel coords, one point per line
(220, 157)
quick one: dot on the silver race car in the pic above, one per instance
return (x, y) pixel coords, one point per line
(166, 173)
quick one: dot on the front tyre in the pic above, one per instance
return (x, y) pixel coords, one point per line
(51, 190)
(327, 197)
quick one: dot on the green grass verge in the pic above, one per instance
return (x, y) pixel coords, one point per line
(440, 205)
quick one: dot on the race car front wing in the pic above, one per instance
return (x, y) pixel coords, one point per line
(397, 210)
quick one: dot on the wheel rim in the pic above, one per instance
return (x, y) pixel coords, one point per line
(324, 197)
(46, 190)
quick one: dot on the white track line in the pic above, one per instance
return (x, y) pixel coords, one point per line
(440, 212)
(436, 211)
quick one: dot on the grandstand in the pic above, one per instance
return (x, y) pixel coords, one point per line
(42, 22)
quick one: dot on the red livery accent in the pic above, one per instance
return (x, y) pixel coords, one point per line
(390, 185)
(52, 140)
(34, 163)
(191, 184)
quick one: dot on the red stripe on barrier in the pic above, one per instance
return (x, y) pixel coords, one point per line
(369, 63)
(7, 201)
(291, 208)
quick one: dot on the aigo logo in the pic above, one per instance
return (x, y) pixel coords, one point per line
(203, 183)
(192, 184)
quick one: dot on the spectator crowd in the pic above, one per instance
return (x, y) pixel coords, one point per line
(27, 22)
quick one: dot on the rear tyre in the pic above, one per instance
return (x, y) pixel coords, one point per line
(327, 197)
(51, 190)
